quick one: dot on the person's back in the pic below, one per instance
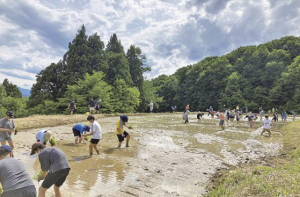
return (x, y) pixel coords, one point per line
(53, 159)
(92, 103)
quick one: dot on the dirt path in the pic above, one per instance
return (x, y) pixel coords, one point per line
(166, 157)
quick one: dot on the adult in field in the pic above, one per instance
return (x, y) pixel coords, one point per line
(284, 117)
(222, 120)
(266, 126)
(78, 131)
(294, 115)
(55, 167)
(186, 116)
(261, 113)
(199, 116)
(96, 134)
(151, 107)
(43, 136)
(92, 106)
(97, 106)
(7, 127)
(121, 133)
(72, 107)
(246, 109)
(14, 179)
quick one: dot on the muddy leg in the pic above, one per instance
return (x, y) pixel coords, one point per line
(76, 139)
(127, 140)
(91, 149)
(119, 145)
(96, 149)
(57, 191)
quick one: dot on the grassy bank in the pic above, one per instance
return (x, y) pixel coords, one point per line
(278, 176)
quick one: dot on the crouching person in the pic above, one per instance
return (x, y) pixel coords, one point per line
(121, 133)
(14, 179)
(55, 167)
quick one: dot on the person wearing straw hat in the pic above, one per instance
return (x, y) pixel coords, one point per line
(43, 136)
(7, 127)
(14, 179)
(55, 167)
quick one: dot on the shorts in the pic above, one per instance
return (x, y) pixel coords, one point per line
(221, 122)
(2, 139)
(57, 178)
(92, 108)
(71, 109)
(76, 132)
(267, 130)
(121, 138)
(97, 108)
(28, 191)
(95, 141)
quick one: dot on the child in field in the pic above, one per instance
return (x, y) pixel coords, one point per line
(266, 126)
(96, 134)
(121, 133)
(78, 131)
(222, 120)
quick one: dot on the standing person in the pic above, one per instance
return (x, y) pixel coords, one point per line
(55, 167)
(43, 136)
(284, 116)
(222, 119)
(237, 115)
(72, 107)
(121, 133)
(7, 127)
(151, 106)
(97, 108)
(78, 131)
(261, 113)
(246, 109)
(92, 106)
(14, 179)
(266, 126)
(186, 116)
(96, 134)
(294, 115)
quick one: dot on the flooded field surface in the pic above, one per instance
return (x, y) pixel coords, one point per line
(166, 157)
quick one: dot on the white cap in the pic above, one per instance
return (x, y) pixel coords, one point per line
(48, 135)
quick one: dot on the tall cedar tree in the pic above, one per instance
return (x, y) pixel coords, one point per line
(11, 89)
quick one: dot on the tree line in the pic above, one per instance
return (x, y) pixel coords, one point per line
(266, 75)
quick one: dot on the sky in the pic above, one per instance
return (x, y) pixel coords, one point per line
(171, 33)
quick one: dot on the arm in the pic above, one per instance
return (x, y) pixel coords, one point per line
(42, 177)
(74, 106)
(6, 130)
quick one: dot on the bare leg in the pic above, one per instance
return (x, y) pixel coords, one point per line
(42, 192)
(11, 144)
(3, 142)
(119, 145)
(76, 139)
(127, 140)
(96, 149)
(57, 191)
(91, 149)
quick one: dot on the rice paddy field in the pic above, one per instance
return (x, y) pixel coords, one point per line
(166, 157)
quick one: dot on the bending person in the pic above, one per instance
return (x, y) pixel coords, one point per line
(78, 130)
(43, 136)
(55, 167)
(121, 133)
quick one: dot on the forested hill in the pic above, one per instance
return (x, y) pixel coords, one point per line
(266, 75)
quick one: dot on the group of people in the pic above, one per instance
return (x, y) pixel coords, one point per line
(55, 167)
(94, 107)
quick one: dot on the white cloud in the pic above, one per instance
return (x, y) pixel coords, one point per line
(172, 34)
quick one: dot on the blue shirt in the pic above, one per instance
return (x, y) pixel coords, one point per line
(79, 127)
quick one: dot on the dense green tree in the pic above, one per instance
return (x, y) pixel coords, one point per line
(11, 89)
(114, 45)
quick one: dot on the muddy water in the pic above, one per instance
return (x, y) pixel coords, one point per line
(166, 157)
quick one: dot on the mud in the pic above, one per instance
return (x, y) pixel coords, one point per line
(166, 157)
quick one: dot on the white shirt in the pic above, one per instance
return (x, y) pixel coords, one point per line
(40, 136)
(96, 130)
(267, 124)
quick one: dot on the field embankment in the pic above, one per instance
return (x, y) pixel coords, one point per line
(272, 176)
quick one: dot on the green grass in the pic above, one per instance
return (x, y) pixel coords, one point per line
(280, 178)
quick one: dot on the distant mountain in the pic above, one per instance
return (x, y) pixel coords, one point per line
(25, 92)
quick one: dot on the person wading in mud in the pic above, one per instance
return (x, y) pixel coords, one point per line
(95, 133)
(266, 126)
(43, 136)
(7, 127)
(222, 120)
(14, 179)
(78, 131)
(121, 133)
(55, 167)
